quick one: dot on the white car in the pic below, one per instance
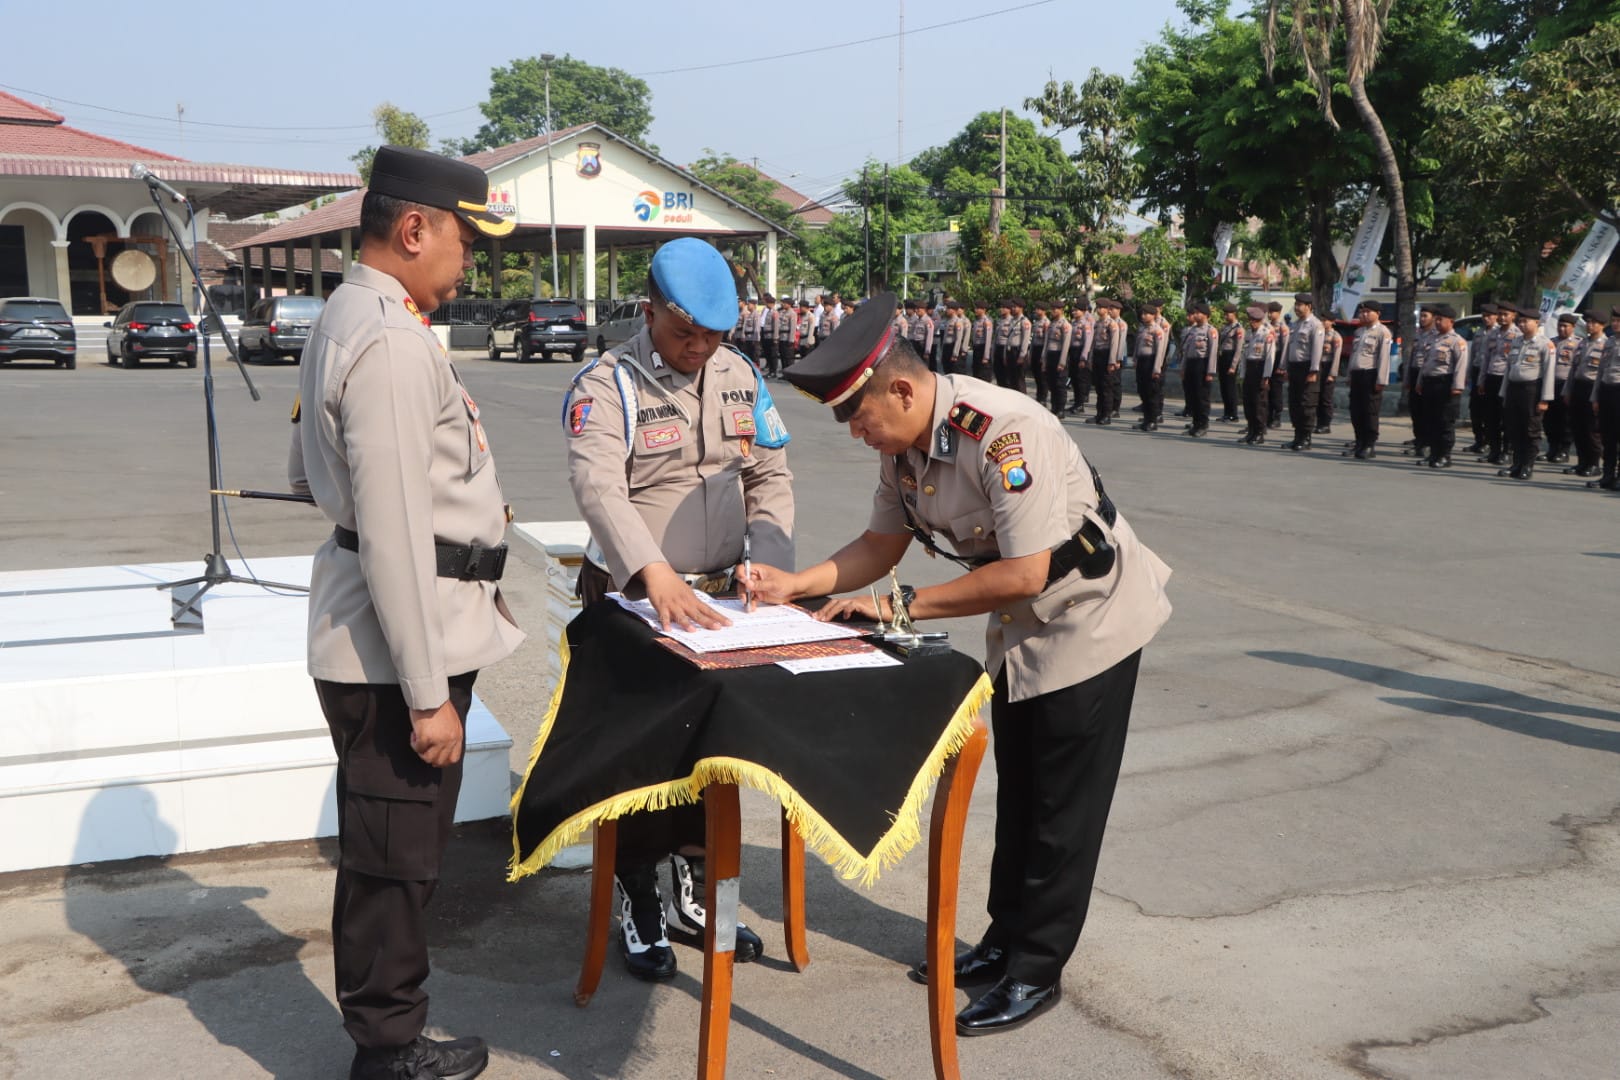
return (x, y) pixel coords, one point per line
(624, 323)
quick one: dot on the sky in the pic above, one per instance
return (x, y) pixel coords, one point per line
(292, 84)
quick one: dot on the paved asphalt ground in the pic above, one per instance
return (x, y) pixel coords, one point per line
(1369, 822)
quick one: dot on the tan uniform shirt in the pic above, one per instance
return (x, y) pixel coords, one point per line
(1530, 360)
(1447, 356)
(684, 477)
(1260, 347)
(390, 445)
(1232, 335)
(1369, 351)
(1019, 488)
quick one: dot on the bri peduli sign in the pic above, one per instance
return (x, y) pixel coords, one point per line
(665, 207)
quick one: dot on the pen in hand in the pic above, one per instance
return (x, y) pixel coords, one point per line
(748, 576)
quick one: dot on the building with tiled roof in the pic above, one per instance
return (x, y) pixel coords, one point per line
(69, 204)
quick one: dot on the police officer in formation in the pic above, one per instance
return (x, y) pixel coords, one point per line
(954, 346)
(677, 459)
(1368, 368)
(1492, 370)
(1038, 327)
(1200, 348)
(1085, 328)
(1152, 346)
(1278, 397)
(1566, 346)
(1107, 358)
(1438, 388)
(1259, 355)
(1583, 424)
(1071, 597)
(1606, 401)
(1526, 394)
(982, 343)
(1227, 360)
(1332, 353)
(1059, 339)
(1304, 361)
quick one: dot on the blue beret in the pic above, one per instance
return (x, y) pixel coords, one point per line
(696, 283)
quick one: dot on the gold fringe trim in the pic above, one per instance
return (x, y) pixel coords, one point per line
(819, 836)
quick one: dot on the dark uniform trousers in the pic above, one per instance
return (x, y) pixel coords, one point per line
(1254, 403)
(1439, 431)
(1057, 381)
(981, 363)
(750, 349)
(646, 837)
(1583, 426)
(1521, 423)
(1195, 390)
(1302, 395)
(1057, 761)
(1609, 423)
(1037, 372)
(1151, 391)
(1476, 422)
(1226, 375)
(1366, 404)
(1488, 403)
(394, 817)
(1558, 435)
(1011, 371)
(767, 356)
(1103, 381)
(1002, 364)
(1080, 377)
(1279, 394)
(1325, 404)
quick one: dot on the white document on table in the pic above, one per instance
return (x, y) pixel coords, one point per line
(767, 624)
(842, 662)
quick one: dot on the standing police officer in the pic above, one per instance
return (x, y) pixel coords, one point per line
(1578, 393)
(676, 458)
(1369, 374)
(1527, 390)
(1072, 597)
(982, 341)
(1085, 328)
(1279, 377)
(1226, 364)
(1059, 337)
(1304, 361)
(1259, 364)
(1152, 343)
(1328, 374)
(1438, 390)
(1038, 327)
(403, 606)
(1200, 345)
(1001, 361)
(1107, 354)
(1606, 404)
(1566, 347)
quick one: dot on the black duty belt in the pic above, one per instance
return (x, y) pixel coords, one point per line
(1088, 550)
(464, 562)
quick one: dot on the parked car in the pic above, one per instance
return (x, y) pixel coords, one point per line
(533, 328)
(278, 326)
(149, 330)
(34, 328)
(623, 324)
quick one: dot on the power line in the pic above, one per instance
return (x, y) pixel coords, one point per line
(848, 44)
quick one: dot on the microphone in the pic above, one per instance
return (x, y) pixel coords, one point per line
(141, 172)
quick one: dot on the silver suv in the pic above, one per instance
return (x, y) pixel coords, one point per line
(278, 326)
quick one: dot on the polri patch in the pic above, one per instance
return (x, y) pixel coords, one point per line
(658, 438)
(1004, 446)
(969, 420)
(1015, 475)
(578, 413)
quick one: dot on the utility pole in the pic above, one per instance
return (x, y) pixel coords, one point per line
(885, 226)
(900, 125)
(997, 204)
(551, 179)
(866, 230)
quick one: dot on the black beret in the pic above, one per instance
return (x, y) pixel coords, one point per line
(1015, 301)
(429, 179)
(1569, 317)
(1505, 308)
(1082, 304)
(1593, 316)
(1444, 311)
(1229, 308)
(1304, 298)
(837, 368)
(1256, 311)
(1151, 307)
(1488, 308)
(1370, 305)
(1200, 307)
(1275, 305)
(1426, 307)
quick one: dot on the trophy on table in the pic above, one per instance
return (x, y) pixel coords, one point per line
(899, 633)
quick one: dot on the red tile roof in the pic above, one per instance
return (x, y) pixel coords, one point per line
(15, 110)
(806, 209)
(344, 213)
(489, 159)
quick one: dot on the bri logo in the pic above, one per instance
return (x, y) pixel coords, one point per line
(647, 204)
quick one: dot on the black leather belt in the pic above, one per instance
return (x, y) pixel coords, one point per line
(464, 562)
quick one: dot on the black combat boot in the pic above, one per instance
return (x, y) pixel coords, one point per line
(643, 940)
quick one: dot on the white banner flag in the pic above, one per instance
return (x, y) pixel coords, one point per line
(1362, 259)
(1223, 244)
(1581, 272)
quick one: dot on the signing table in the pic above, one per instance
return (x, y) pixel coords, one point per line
(850, 755)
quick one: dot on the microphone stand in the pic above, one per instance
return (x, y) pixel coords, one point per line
(187, 593)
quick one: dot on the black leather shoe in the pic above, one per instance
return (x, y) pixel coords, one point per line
(1296, 447)
(1440, 463)
(974, 967)
(1324, 429)
(424, 1059)
(1007, 1005)
(1477, 448)
(1361, 453)
(643, 937)
(1511, 474)
(1199, 432)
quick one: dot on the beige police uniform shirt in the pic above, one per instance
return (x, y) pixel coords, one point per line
(690, 477)
(1002, 477)
(390, 445)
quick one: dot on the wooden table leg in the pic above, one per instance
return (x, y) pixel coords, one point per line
(724, 843)
(793, 895)
(945, 829)
(597, 923)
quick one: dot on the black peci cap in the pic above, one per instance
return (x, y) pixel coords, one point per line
(1569, 317)
(1505, 308)
(434, 180)
(837, 369)
(1256, 312)
(1229, 308)
(1304, 298)
(1370, 305)
(1614, 312)
(1201, 308)
(1082, 304)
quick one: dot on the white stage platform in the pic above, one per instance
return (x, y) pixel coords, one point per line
(123, 737)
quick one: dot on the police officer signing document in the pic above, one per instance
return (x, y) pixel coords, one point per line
(1072, 598)
(676, 458)
(403, 606)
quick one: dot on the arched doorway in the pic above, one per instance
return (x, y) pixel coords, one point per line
(85, 270)
(27, 260)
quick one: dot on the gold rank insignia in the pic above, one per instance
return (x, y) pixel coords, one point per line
(410, 306)
(969, 421)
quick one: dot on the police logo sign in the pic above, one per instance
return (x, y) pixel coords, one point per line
(590, 160)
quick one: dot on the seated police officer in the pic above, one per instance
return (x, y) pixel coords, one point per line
(676, 458)
(1072, 598)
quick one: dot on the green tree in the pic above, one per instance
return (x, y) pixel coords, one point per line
(905, 203)
(964, 172)
(397, 127)
(1105, 177)
(580, 93)
(1161, 268)
(1514, 30)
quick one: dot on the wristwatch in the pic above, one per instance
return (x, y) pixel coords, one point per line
(908, 596)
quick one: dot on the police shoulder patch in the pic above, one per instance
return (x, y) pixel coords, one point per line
(969, 420)
(1004, 446)
(1015, 474)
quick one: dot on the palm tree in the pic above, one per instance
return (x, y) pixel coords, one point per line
(1318, 28)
